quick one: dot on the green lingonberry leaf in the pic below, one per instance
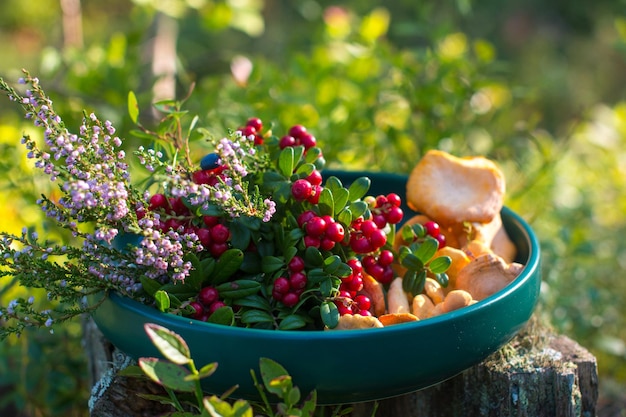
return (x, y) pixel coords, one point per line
(239, 288)
(162, 299)
(286, 162)
(329, 314)
(326, 202)
(427, 249)
(292, 322)
(271, 264)
(256, 316)
(440, 264)
(223, 315)
(359, 188)
(340, 199)
(227, 264)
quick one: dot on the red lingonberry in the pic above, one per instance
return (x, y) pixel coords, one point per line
(381, 200)
(158, 201)
(312, 241)
(217, 249)
(202, 177)
(432, 228)
(394, 199)
(368, 261)
(394, 215)
(247, 131)
(327, 244)
(218, 304)
(368, 227)
(376, 271)
(307, 140)
(220, 233)
(258, 139)
(296, 264)
(441, 239)
(256, 123)
(355, 283)
(315, 227)
(204, 235)
(380, 220)
(172, 224)
(335, 232)
(315, 177)
(290, 299)
(210, 221)
(298, 280)
(314, 198)
(355, 265)
(385, 257)
(198, 310)
(305, 216)
(281, 285)
(378, 239)
(366, 313)
(297, 131)
(287, 141)
(301, 189)
(360, 244)
(388, 275)
(342, 308)
(208, 295)
(363, 302)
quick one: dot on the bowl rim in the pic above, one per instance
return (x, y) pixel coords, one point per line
(530, 269)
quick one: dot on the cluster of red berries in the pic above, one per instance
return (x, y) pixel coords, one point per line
(432, 229)
(288, 289)
(309, 188)
(174, 215)
(349, 301)
(386, 209)
(379, 267)
(207, 301)
(322, 232)
(297, 136)
(253, 127)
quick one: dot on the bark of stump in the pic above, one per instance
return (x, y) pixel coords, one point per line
(537, 374)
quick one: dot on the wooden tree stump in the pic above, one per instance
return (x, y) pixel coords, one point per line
(537, 374)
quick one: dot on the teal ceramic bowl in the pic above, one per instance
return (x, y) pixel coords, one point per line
(352, 365)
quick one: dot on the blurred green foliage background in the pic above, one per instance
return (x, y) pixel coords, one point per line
(537, 86)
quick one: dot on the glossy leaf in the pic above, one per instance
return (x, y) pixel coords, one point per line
(168, 374)
(286, 162)
(223, 315)
(162, 299)
(238, 288)
(292, 322)
(359, 188)
(149, 285)
(340, 199)
(440, 264)
(170, 344)
(330, 314)
(228, 263)
(271, 264)
(426, 249)
(326, 203)
(256, 316)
